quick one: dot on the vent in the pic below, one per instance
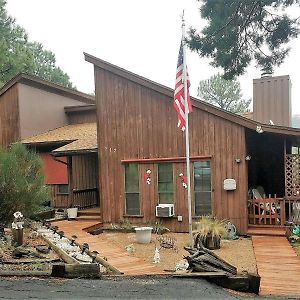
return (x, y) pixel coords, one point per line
(165, 210)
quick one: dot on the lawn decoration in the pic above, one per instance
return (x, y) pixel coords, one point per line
(167, 242)
(156, 258)
(183, 180)
(231, 231)
(17, 228)
(147, 177)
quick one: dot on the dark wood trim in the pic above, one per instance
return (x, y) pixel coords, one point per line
(84, 190)
(60, 161)
(164, 159)
(73, 152)
(71, 109)
(47, 86)
(133, 216)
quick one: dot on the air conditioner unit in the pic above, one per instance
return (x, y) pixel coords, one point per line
(164, 210)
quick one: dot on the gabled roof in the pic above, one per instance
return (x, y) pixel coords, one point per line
(78, 138)
(47, 86)
(197, 103)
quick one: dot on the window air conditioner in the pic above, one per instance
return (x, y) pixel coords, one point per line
(165, 210)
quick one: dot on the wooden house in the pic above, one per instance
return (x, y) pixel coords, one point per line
(30, 106)
(141, 156)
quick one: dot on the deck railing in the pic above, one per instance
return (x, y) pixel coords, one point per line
(273, 211)
(84, 198)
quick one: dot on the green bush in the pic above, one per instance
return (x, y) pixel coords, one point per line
(22, 186)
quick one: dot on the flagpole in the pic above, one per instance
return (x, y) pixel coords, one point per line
(187, 143)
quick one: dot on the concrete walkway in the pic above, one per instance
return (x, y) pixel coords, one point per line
(125, 262)
(278, 265)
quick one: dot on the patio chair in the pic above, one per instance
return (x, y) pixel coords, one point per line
(267, 207)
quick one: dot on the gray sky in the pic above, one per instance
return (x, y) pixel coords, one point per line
(140, 36)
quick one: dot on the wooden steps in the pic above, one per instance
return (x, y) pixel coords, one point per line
(278, 265)
(116, 256)
(266, 230)
(90, 214)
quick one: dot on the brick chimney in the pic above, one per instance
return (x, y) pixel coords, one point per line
(272, 100)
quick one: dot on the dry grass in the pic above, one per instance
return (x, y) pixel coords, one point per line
(238, 252)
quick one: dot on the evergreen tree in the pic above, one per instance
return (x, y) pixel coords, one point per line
(22, 185)
(17, 54)
(240, 31)
(223, 93)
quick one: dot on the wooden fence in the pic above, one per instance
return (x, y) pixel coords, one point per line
(85, 198)
(273, 211)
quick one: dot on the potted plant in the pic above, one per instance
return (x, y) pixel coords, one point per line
(208, 232)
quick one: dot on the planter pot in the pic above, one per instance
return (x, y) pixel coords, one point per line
(72, 212)
(143, 235)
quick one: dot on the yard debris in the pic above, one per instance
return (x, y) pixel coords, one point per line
(167, 242)
(205, 260)
(130, 248)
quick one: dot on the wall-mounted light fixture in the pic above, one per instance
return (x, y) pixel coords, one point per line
(259, 129)
(248, 157)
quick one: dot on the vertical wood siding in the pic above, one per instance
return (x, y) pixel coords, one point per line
(9, 117)
(58, 200)
(137, 122)
(85, 180)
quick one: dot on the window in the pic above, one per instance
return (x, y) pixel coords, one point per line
(63, 189)
(165, 183)
(202, 188)
(132, 195)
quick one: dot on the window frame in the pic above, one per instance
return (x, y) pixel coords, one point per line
(136, 193)
(59, 192)
(157, 183)
(210, 191)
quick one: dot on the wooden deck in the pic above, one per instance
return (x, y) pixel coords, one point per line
(116, 256)
(278, 265)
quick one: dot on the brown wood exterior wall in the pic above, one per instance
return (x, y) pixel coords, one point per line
(9, 117)
(82, 117)
(58, 200)
(84, 184)
(138, 122)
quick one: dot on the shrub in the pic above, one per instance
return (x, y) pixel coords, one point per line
(208, 231)
(22, 185)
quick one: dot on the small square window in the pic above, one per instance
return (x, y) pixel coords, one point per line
(63, 189)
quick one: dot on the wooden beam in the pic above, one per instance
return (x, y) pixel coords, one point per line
(164, 159)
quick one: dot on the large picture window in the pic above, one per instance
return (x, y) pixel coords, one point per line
(132, 194)
(202, 188)
(165, 183)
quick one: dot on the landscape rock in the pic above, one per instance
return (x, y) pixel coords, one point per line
(20, 251)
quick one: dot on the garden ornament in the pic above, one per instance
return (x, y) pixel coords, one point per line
(73, 238)
(18, 221)
(183, 180)
(156, 258)
(147, 177)
(296, 230)
(231, 231)
(85, 246)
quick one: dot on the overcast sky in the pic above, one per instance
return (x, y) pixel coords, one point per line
(140, 36)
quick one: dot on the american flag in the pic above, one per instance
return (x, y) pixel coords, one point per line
(179, 91)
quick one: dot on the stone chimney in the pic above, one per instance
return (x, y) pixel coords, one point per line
(272, 100)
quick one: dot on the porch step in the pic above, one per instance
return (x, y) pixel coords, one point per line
(266, 230)
(94, 211)
(96, 218)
